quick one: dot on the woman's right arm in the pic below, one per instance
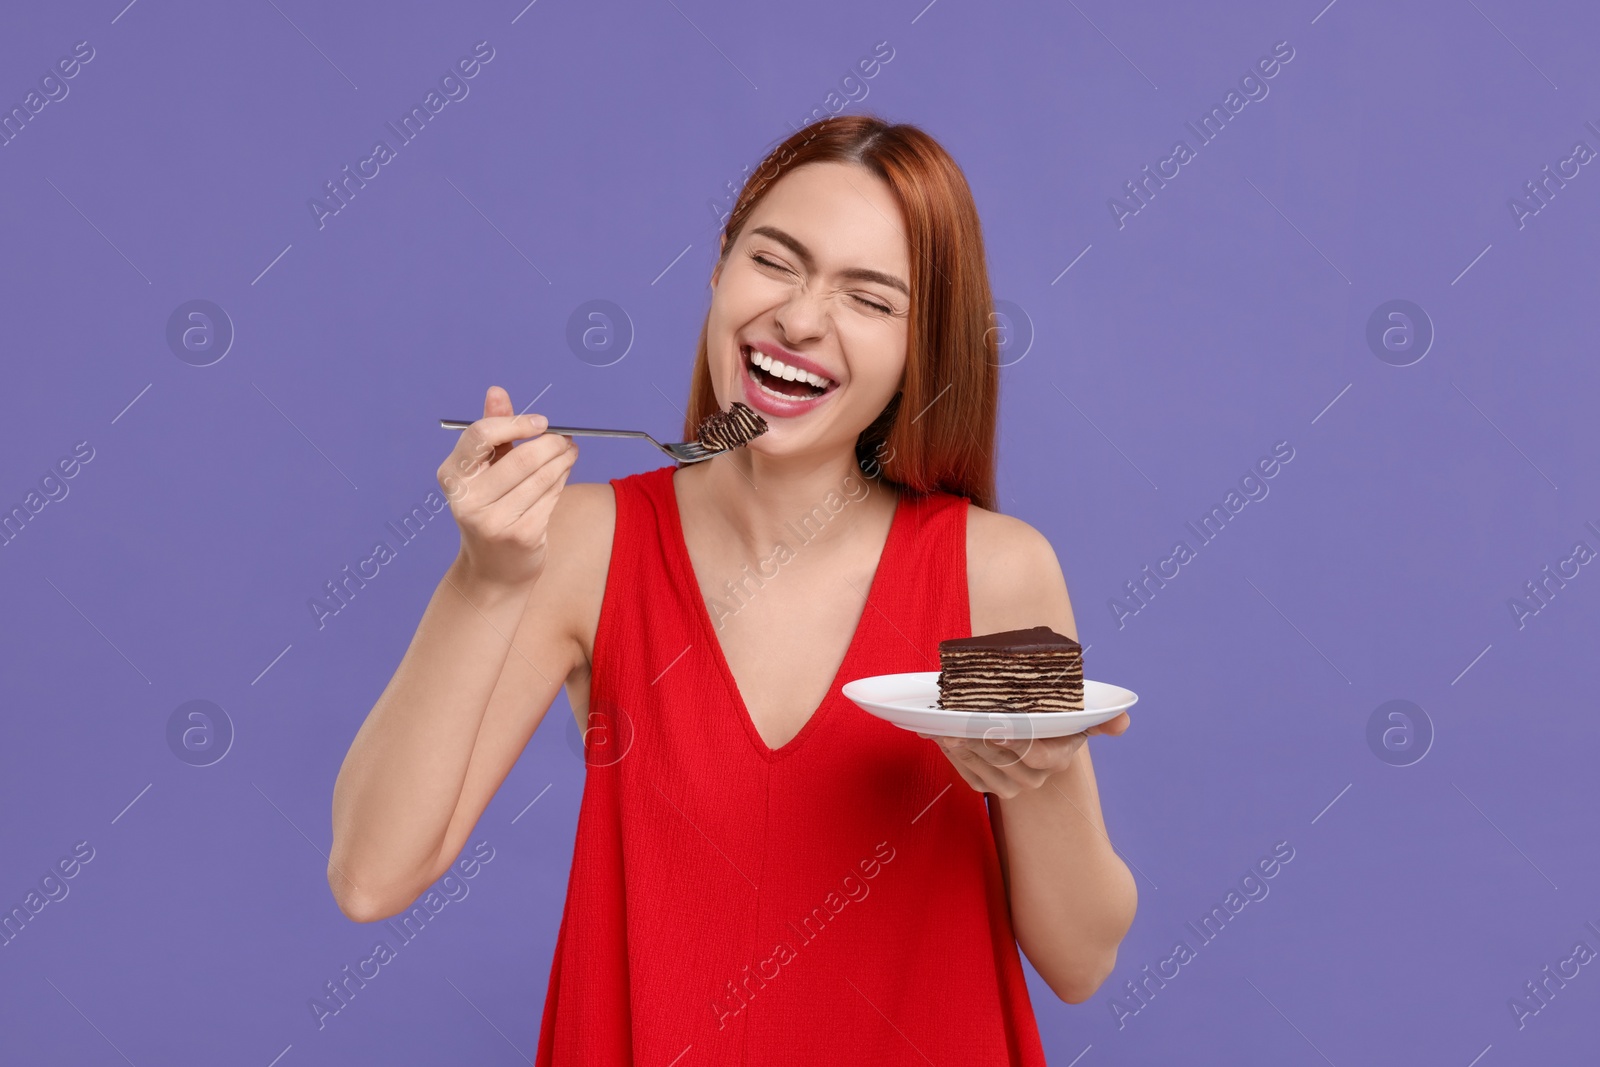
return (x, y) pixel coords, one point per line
(501, 609)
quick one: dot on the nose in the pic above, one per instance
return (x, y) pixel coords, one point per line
(804, 315)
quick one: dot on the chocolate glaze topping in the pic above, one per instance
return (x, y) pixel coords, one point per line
(1033, 639)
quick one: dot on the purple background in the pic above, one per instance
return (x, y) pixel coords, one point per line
(589, 162)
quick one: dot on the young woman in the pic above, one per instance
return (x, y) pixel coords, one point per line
(764, 873)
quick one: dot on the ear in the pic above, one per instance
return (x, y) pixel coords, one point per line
(722, 253)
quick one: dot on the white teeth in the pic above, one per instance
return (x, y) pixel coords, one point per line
(779, 369)
(773, 392)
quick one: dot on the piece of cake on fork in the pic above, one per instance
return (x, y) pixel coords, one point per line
(737, 426)
(1031, 670)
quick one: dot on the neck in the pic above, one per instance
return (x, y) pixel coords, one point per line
(757, 501)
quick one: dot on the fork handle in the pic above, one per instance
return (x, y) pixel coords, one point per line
(578, 431)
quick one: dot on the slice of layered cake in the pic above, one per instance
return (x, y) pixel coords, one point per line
(737, 426)
(1035, 669)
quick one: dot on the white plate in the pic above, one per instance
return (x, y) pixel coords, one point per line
(910, 701)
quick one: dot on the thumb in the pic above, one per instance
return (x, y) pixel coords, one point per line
(497, 402)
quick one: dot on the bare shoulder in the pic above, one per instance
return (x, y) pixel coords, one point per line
(585, 505)
(578, 555)
(1014, 579)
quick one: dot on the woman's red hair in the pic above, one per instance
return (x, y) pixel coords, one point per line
(938, 431)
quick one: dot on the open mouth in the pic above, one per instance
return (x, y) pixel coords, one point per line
(781, 380)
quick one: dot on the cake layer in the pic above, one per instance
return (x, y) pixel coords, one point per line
(1021, 672)
(1069, 674)
(1001, 660)
(1002, 691)
(1043, 704)
(1028, 670)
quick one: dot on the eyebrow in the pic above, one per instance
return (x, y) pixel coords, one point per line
(856, 273)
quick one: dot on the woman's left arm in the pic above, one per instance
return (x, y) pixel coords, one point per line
(1072, 897)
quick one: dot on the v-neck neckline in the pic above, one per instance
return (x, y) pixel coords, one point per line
(681, 544)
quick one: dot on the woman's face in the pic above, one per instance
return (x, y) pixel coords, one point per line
(817, 281)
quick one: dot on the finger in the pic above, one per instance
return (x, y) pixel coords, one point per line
(1004, 763)
(475, 451)
(1032, 752)
(530, 478)
(1052, 753)
(1014, 769)
(975, 770)
(497, 403)
(1112, 727)
(995, 780)
(992, 752)
(479, 448)
(971, 764)
(532, 461)
(537, 514)
(1065, 750)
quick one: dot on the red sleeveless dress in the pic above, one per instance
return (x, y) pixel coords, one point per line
(835, 900)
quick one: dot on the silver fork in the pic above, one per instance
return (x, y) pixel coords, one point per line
(682, 451)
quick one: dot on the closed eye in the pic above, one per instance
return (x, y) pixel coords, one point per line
(873, 304)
